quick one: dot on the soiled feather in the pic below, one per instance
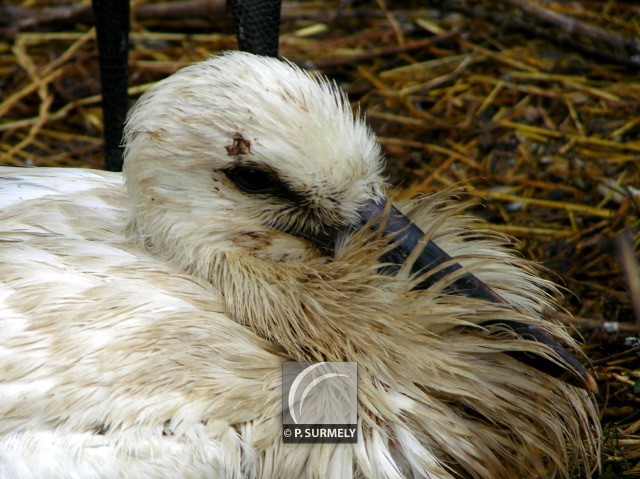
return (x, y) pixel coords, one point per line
(143, 329)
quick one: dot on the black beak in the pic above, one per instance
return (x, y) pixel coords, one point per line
(407, 236)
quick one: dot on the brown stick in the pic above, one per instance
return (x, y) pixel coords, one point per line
(14, 18)
(617, 48)
(18, 18)
(418, 44)
(629, 262)
(573, 27)
(623, 354)
(187, 9)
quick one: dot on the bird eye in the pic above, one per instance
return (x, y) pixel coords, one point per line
(254, 180)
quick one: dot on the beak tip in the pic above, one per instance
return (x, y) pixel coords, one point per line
(590, 383)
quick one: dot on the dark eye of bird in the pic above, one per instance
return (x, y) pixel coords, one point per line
(254, 180)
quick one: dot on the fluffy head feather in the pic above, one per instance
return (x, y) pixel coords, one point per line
(248, 111)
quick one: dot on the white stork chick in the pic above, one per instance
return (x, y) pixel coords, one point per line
(142, 329)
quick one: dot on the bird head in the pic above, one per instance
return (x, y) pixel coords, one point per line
(249, 155)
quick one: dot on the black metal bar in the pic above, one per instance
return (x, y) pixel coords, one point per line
(257, 25)
(112, 31)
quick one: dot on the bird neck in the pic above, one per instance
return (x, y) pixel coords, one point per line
(317, 309)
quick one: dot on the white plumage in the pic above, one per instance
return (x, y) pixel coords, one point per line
(142, 328)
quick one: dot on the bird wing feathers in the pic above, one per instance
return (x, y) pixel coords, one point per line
(98, 337)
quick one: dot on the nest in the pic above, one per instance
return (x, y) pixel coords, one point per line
(531, 108)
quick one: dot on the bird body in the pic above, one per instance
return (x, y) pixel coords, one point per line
(144, 321)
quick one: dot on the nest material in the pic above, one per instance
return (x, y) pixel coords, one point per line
(533, 108)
